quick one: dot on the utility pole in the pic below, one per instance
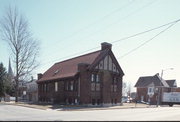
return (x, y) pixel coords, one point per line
(160, 90)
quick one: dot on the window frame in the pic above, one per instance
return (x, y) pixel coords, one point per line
(93, 77)
(56, 86)
(151, 90)
(97, 78)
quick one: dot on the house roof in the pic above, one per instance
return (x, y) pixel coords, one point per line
(69, 68)
(171, 83)
(145, 81)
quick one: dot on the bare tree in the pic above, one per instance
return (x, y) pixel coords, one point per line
(124, 89)
(129, 90)
(15, 31)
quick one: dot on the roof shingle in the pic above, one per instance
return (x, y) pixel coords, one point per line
(145, 81)
(68, 67)
(171, 83)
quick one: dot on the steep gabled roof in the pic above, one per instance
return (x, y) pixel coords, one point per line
(103, 55)
(145, 81)
(68, 68)
(171, 83)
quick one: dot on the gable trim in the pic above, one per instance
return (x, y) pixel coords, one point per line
(102, 56)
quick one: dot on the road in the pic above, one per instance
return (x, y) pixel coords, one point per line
(19, 113)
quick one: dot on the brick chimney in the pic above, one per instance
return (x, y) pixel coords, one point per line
(39, 76)
(82, 67)
(106, 45)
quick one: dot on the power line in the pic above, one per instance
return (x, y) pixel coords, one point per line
(100, 19)
(141, 45)
(119, 20)
(137, 34)
(125, 38)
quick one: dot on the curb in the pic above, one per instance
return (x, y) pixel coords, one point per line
(76, 109)
(90, 109)
(23, 105)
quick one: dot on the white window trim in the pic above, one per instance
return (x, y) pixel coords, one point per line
(56, 86)
(92, 77)
(71, 86)
(151, 90)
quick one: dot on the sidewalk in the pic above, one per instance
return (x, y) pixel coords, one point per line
(124, 106)
(77, 108)
(43, 107)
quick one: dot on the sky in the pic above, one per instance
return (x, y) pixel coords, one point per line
(68, 28)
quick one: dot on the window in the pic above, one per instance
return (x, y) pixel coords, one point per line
(115, 80)
(66, 85)
(75, 101)
(71, 86)
(97, 78)
(100, 65)
(46, 87)
(97, 87)
(92, 86)
(92, 77)
(150, 90)
(56, 86)
(114, 68)
(56, 71)
(115, 88)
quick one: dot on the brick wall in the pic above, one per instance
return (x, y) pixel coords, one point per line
(105, 95)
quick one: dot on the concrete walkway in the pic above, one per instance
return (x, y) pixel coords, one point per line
(77, 108)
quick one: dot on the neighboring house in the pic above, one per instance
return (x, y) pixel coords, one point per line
(171, 83)
(22, 91)
(91, 79)
(150, 88)
(32, 91)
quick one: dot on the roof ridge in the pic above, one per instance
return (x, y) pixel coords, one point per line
(78, 57)
(145, 76)
(170, 80)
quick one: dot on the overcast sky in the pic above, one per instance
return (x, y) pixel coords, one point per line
(67, 28)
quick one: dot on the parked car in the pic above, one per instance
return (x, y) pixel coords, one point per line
(124, 99)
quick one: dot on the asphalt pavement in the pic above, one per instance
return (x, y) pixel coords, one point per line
(20, 113)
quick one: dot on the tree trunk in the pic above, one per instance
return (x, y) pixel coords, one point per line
(17, 91)
(17, 78)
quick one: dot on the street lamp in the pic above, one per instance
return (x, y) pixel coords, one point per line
(165, 70)
(158, 100)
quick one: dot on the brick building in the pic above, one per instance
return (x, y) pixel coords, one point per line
(91, 79)
(151, 88)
